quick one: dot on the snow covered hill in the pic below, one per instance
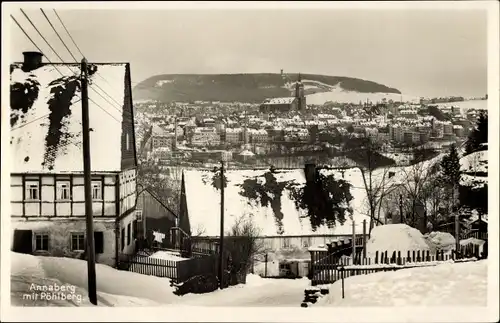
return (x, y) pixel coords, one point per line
(255, 88)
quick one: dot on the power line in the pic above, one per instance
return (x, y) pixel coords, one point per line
(34, 43)
(39, 33)
(62, 41)
(62, 60)
(78, 48)
(64, 26)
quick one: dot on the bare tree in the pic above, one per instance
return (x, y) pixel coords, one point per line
(416, 186)
(243, 243)
(375, 174)
(167, 190)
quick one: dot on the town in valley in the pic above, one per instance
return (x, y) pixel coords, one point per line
(216, 184)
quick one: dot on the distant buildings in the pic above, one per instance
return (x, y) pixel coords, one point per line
(205, 136)
(286, 104)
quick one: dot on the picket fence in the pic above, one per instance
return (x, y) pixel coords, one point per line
(178, 271)
(328, 268)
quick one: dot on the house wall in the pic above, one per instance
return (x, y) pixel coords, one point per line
(59, 232)
(156, 216)
(278, 244)
(127, 181)
(49, 205)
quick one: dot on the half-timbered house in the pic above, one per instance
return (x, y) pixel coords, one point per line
(47, 183)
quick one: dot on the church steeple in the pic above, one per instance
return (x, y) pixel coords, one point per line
(299, 93)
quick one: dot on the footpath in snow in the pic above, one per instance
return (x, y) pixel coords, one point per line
(447, 284)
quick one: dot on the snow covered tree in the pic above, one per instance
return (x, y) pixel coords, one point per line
(479, 135)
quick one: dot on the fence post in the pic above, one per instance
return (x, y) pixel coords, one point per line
(265, 266)
(342, 270)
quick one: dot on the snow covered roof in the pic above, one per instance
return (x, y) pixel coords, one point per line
(475, 162)
(46, 118)
(204, 208)
(247, 153)
(287, 100)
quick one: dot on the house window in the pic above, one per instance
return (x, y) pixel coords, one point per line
(98, 242)
(63, 191)
(138, 215)
(286, 242)
(41, 242)
(127, 144)
(123, 238)
(77, 241)
(306, 242)
(96, 190)
(32, 190)
(134, 229)
(128, 234)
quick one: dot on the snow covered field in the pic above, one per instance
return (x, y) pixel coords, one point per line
(443, 285)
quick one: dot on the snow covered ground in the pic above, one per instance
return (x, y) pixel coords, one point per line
(443, 285)
(258, 292)
(122, 288)
(115, 288)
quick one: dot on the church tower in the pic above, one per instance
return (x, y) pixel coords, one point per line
(299, 94)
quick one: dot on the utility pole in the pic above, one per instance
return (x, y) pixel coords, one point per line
(91, 275)
(401, 220)
(221, 243)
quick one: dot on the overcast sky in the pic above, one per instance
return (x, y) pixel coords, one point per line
(428, 53)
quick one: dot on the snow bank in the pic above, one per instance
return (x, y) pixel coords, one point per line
(440, 241)
(442, 285)
(395, 237)
(72, 272)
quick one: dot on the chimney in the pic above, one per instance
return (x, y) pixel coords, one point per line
(310, 172)
(32, 61)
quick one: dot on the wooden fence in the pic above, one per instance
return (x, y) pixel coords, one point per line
(328, 268)
(178, 271)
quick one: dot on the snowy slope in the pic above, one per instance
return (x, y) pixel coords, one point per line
(443, 285)
(473, 167)
(322, 92)
(475, 162)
